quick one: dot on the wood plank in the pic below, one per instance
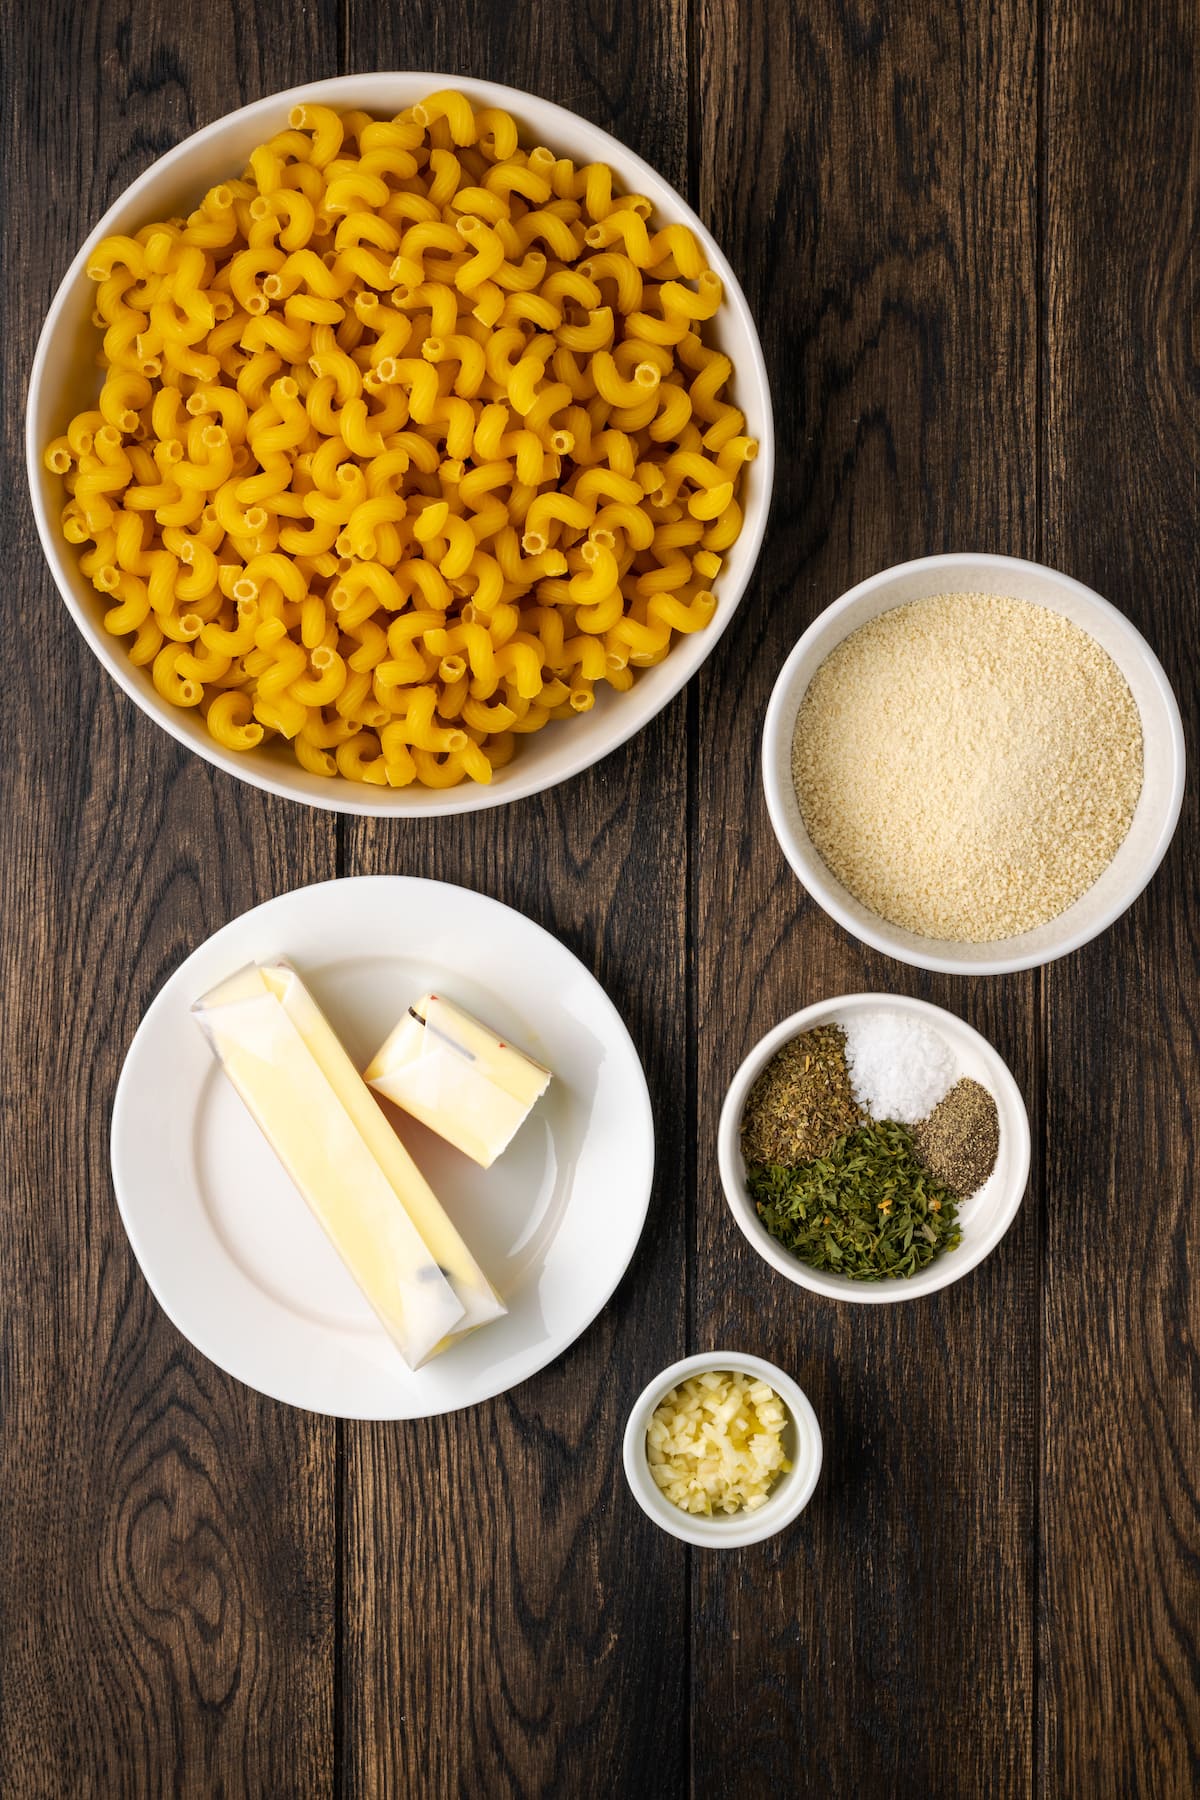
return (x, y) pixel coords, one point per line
(167, 1558)
(517, 1626)
(874, 182)
(166, 1553)
(1119, 1625)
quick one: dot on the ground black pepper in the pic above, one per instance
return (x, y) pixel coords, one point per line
(959, 1141)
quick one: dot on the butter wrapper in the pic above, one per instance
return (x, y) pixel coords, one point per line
(455, 1075)
(359, 1181)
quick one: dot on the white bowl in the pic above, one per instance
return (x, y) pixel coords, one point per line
(1154, 819)
(984, 1218)
(790, 1494)
(64, 379)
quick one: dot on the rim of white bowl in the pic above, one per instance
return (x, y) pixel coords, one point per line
(513, 783)
(815, 875)
(792, 1492)
(945, 1270)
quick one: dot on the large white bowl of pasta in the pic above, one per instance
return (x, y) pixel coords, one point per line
(388, 420)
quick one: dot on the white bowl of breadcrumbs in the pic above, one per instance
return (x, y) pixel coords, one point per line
(973, 763)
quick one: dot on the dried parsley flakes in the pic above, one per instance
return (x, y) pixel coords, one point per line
(801, 1104)
(868, 1209)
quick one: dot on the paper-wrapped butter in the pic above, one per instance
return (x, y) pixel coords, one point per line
(457, 1076)
(379, 1212)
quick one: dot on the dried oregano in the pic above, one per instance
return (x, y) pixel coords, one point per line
(801, 1104)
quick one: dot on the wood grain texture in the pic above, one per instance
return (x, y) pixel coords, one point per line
(513, 1625)
(968, 235)
(166, 1557)
(506, 1608)
(1119, 1601)
(872, 175)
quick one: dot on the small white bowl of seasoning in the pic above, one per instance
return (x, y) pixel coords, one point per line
(973, 763)
(697, 1391)
(939, 1061)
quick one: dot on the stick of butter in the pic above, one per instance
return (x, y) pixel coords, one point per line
(458, 1077)
(380, 1214)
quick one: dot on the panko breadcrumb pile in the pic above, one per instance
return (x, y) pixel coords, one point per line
(968, 765)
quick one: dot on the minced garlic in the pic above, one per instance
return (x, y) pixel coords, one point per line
(715, 1443)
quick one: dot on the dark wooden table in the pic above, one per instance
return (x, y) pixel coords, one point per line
(967, 232)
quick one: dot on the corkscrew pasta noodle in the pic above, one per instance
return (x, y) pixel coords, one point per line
(408, 440)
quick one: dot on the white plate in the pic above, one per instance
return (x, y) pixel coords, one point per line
(229, 1247)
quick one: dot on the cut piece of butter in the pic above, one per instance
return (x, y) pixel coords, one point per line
(455, 1075)
(312, 1105)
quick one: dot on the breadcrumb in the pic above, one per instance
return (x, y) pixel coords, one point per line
(968, 765)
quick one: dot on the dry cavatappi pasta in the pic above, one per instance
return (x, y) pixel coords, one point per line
(408, 438)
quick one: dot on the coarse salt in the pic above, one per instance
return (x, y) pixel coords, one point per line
(899, 1068)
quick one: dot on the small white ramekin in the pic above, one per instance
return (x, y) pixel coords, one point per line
(984, 1218)
(64, 380)
(790, 1494)
(1154, 820)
